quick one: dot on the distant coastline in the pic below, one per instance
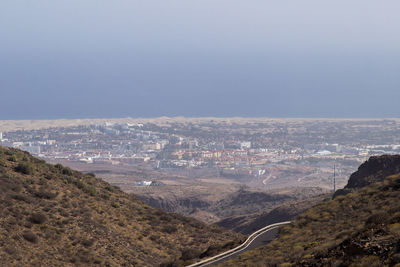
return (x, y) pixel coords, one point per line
(15, 125)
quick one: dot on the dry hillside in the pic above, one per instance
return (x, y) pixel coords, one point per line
(51, 215)
(361, 228)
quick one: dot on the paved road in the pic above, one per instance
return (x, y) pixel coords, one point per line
(255, 240)
(259, 241)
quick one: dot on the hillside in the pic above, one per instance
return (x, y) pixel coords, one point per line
(361, 228)
(213, 204)
(247, 224)
(246, 201)
(51, 215)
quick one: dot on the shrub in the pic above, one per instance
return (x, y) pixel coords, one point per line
(163, 217)
(25, 168)
(106, 196)
(10, 250)
(229, 244)
(371, 261)
(377, 218)
(28, 181)
(38, 218)
(83, 186)
(154, 238)
(169, 229)
(2, 163)
(169, 264)
(87, 242)
(21, 197)
(311, 245)
(29, 236)
(59, 166)
(67, 171)
(67, 179)
(212, 249)
(45, 194)
(395, 228)
(109, 188)
(13, 158)
(89, 189)
(115, 205)
(189, 253)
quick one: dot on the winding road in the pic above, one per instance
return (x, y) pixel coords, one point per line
(255, 240)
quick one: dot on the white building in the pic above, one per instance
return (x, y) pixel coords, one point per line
(245, 145)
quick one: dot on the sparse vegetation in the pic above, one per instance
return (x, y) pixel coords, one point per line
(54, 216)
(29, 236)
(109, 188)
(358, 229)
(38, 218)
(13, 158)
(25, 168)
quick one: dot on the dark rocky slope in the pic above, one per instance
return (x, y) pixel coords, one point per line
(247, 224)
(374, 170)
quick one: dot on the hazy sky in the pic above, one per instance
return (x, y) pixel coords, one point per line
(95, 58)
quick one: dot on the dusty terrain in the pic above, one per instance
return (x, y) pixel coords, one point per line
(209, 199)
(14, 125)
(51, 215)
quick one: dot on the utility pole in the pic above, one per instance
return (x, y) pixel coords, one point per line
(334, 178)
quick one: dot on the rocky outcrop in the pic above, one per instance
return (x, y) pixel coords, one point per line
(375, 169)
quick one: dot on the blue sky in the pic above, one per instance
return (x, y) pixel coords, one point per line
(95, 58)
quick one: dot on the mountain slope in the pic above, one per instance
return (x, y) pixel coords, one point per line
(244, 201)
(247, 224)
(359, 229)
(216, 203)
(51, 215)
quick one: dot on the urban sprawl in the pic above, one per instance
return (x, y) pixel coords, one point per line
(250, 149)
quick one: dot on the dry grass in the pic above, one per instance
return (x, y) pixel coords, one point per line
(51, 215)
(359, 229)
